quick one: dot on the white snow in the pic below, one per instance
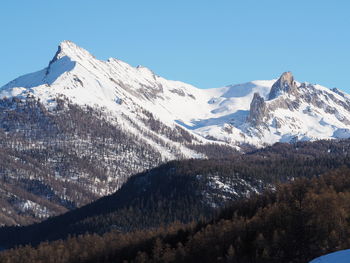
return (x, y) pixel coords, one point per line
(30, 206)
(342, 256)
(218, 113)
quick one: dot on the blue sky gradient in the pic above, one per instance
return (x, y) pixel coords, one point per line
(206, 43)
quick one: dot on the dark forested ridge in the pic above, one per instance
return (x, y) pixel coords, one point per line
(185, 191)
(293, 224)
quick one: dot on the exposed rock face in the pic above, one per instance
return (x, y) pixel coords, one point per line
(285, 84)
(339, 92)
(258, 110)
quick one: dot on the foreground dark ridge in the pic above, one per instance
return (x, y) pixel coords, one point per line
(187, 190)
(294, 224)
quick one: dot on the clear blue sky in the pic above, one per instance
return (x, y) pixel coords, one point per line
(205, 43)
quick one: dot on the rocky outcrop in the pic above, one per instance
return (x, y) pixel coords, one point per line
(285, 84)
(258, 110)
(339, 92)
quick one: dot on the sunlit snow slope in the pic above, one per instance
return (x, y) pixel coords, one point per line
(257, 112)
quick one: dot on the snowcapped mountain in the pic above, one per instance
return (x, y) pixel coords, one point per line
(257, 112)
(79, 128)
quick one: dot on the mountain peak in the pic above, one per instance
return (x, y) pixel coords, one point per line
(288, 76)
(67, 45)
(285, 84)
(69, 49)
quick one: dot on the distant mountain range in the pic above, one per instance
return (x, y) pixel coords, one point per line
(256, 112)
(78, 129)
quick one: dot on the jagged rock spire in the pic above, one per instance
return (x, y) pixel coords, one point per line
(258, 110)
(285, 84)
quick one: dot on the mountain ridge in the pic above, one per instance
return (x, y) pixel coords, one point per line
(220, 114)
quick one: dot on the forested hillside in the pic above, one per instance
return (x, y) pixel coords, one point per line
(297, 222)
(54, 160)
(185, 191)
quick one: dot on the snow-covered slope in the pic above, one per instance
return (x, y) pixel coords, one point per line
(257, 112)
(113, 84)
(336, 257)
